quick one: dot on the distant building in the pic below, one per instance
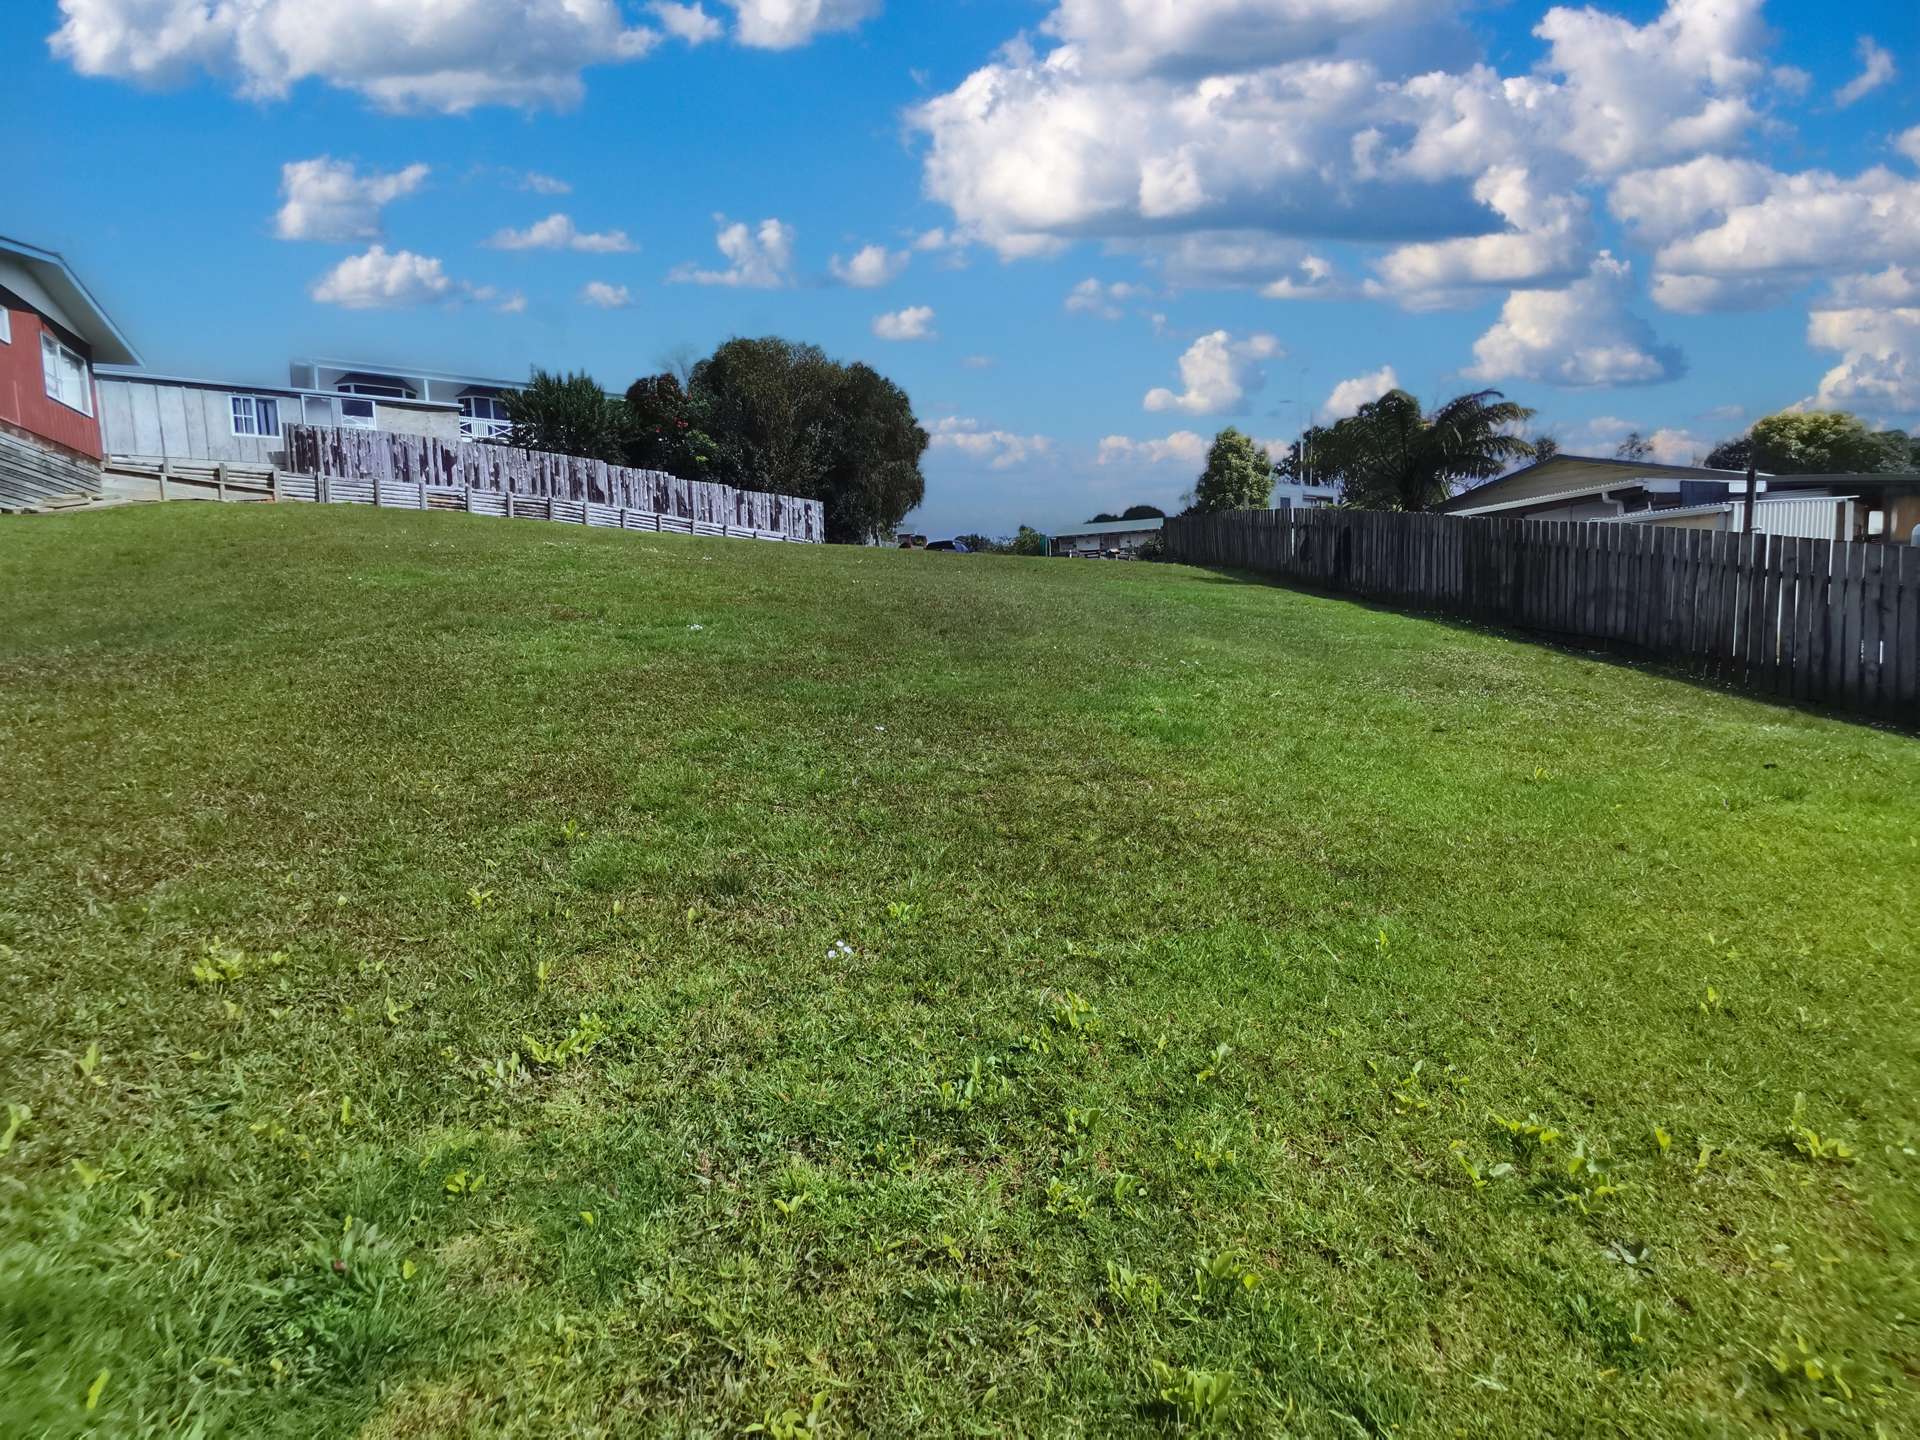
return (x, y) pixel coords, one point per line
(1300, 495)
(360, 390)
(149, 417)
(1120, 537)
(52, 334)
(1591, 487)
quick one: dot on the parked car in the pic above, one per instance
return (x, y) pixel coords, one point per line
(954, 545)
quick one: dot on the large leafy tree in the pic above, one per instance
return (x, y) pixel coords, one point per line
(1734, 454)
(774, 414)
(872, 446)
(1143, 512)
(569, 414)
(1391, 456)
(1238, 475)
(668, 429)
(1826, 442)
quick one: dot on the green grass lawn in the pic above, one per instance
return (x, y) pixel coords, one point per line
(480, 978)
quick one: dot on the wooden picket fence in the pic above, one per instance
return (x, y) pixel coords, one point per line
(402, 463)
(1812, 620)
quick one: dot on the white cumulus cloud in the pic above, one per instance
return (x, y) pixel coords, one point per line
(558, 232)
(758, 257)
(328, 199)
(913, 323)
(1583, 335)
(1108, 301)
(1349, 395)
(1876, 69)
(783, 24)
(388, 280)
(869, 267)
(1879, 369)
(1182, 447)
(606, 296)
(997, 449)
(448, 55)
(1217, 373)
(432, 55)
(690, 23)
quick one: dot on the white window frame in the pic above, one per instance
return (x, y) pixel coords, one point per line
(52, 353)
(483, 417)
(255, 409)
(371, 421)
(6, 324)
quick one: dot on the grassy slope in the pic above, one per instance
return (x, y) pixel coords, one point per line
(475, 779)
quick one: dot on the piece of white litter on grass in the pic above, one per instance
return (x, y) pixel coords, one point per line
(696, 627)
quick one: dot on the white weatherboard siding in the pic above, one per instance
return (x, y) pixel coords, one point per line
(182, 422)
(150, 418)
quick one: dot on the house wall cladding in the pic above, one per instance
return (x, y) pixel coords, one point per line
(1800, 618)
(144, 418)
(153, 421)
(24, 401)
(415, 459)
(30, 474)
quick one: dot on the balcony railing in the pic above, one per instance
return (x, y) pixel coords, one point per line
(472, 428)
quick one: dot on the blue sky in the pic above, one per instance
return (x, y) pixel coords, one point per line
(1095, 231)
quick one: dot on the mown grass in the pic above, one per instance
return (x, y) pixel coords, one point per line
(479, 978)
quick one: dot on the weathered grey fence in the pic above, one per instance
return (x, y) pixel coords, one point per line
(404, 462)
(1806, 619)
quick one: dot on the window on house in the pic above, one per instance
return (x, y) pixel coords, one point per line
(255, 415)
(357, 414)
(6, 326)
(66, 375)
(483, 417)
(368, 387)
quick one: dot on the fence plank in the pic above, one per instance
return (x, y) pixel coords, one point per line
(1873, 623)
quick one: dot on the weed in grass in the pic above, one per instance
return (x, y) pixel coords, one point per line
(1810, 1143)
(577, 1044)
(1197, 1397)
(222, 964)
(1219, 1279)
(17, 1117)
(1133, 1289)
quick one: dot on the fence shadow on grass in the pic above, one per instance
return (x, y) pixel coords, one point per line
(1574, 647)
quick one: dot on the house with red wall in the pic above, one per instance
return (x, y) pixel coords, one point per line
(52, 333)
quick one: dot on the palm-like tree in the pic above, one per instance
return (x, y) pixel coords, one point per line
(1390, 456)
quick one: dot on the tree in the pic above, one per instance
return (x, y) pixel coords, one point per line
(1634, 447)
(983, 544)
(569, 414)
(1545, 447)
(1730, 454)
(1239, 475)
(1143, 512)
(1389, 456)
(1029, 542)
(872, 445)
(1826, 442)
(667, 429)
(1304, 461)
(1103, 518)
(781, 416)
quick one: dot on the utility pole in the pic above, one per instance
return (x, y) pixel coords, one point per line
(1752, 495)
